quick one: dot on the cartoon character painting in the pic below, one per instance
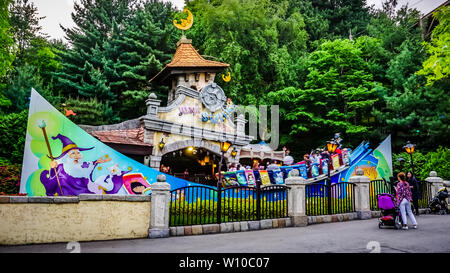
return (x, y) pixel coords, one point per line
(107, 183)
(60, 158)
(250, 178)
(240, 175)
(315, 170)
(278, 176)
(72, 173)
(135, 183)
(265, 179)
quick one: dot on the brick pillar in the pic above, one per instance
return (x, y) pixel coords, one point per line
(159, 211)
(362, 194)
(297, 199)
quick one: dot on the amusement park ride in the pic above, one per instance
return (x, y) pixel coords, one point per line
(197, 103)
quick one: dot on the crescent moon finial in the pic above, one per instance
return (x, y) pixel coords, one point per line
(185, 23)
(226, 78)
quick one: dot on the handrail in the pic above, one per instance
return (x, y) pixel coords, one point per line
(195, 186)
(275, 187)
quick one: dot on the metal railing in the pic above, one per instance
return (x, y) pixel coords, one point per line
(425, 194)
(382, 186)
(186, 209)
(196, 205)
(377, 187)
(323, 199)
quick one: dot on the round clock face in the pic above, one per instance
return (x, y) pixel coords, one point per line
(213, 97)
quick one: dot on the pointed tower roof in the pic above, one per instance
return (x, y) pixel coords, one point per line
(187, 59)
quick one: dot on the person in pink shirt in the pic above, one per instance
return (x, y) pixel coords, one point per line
(403, 200)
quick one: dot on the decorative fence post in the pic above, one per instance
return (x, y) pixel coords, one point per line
(219, 203)
(436, 183)
(258, 199)
(297, 199)
(362, 194)
(159, 212)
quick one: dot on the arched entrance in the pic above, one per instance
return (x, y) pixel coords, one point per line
(200, 159)
(201, 165)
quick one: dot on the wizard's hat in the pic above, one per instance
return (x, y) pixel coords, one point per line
(68, 145)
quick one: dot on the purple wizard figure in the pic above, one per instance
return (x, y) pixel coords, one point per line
(72, 172)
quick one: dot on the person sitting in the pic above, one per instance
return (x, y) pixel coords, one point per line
(186, 174)
(338, 139)
(314, 157)
(273, 166)
(255, 165)
(307, 160)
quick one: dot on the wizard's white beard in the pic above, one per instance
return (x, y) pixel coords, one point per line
(75, 170)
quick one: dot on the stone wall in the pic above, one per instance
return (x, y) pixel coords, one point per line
(31, 220)
(230, 227)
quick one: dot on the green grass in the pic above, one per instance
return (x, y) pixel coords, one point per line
(233, 209)
(319, 205)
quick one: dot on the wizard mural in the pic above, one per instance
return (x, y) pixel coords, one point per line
(61, 159)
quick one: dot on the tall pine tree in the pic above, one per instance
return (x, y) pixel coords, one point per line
(117, 47)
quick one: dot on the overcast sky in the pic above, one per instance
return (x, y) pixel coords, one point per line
(58, 12)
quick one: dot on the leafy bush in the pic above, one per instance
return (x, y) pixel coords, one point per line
(438, 161)
(233, 209)
(10, 179)
(13, 129)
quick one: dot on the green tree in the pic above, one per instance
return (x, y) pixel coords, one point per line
(24, 20)
(117, 47)
(437, 160)
(409, 109)
(262, 41)
(41, 54)
(81, 71)
(88, 111)
(344, 15)
(7, 49)
(136, 52)
(437, 66)
(338, 97)
(18, 88)
(35, 62)
(12, 139)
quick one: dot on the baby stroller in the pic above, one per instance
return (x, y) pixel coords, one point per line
(390, 214)
(438, 204)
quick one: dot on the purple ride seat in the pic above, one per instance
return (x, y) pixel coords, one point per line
(385, 201)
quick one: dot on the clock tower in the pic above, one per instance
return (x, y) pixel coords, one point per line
(188, 69)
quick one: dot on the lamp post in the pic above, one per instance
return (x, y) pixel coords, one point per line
(409, 148)
(331, 147)
(224, 146)
(234, 152)
(161, 144)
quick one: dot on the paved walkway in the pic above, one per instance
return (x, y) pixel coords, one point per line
(433, 235)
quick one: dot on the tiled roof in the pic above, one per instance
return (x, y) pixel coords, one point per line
(187, 56)
(127, 136)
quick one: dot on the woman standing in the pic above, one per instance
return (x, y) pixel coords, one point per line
(403, 200)
(414, 190)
